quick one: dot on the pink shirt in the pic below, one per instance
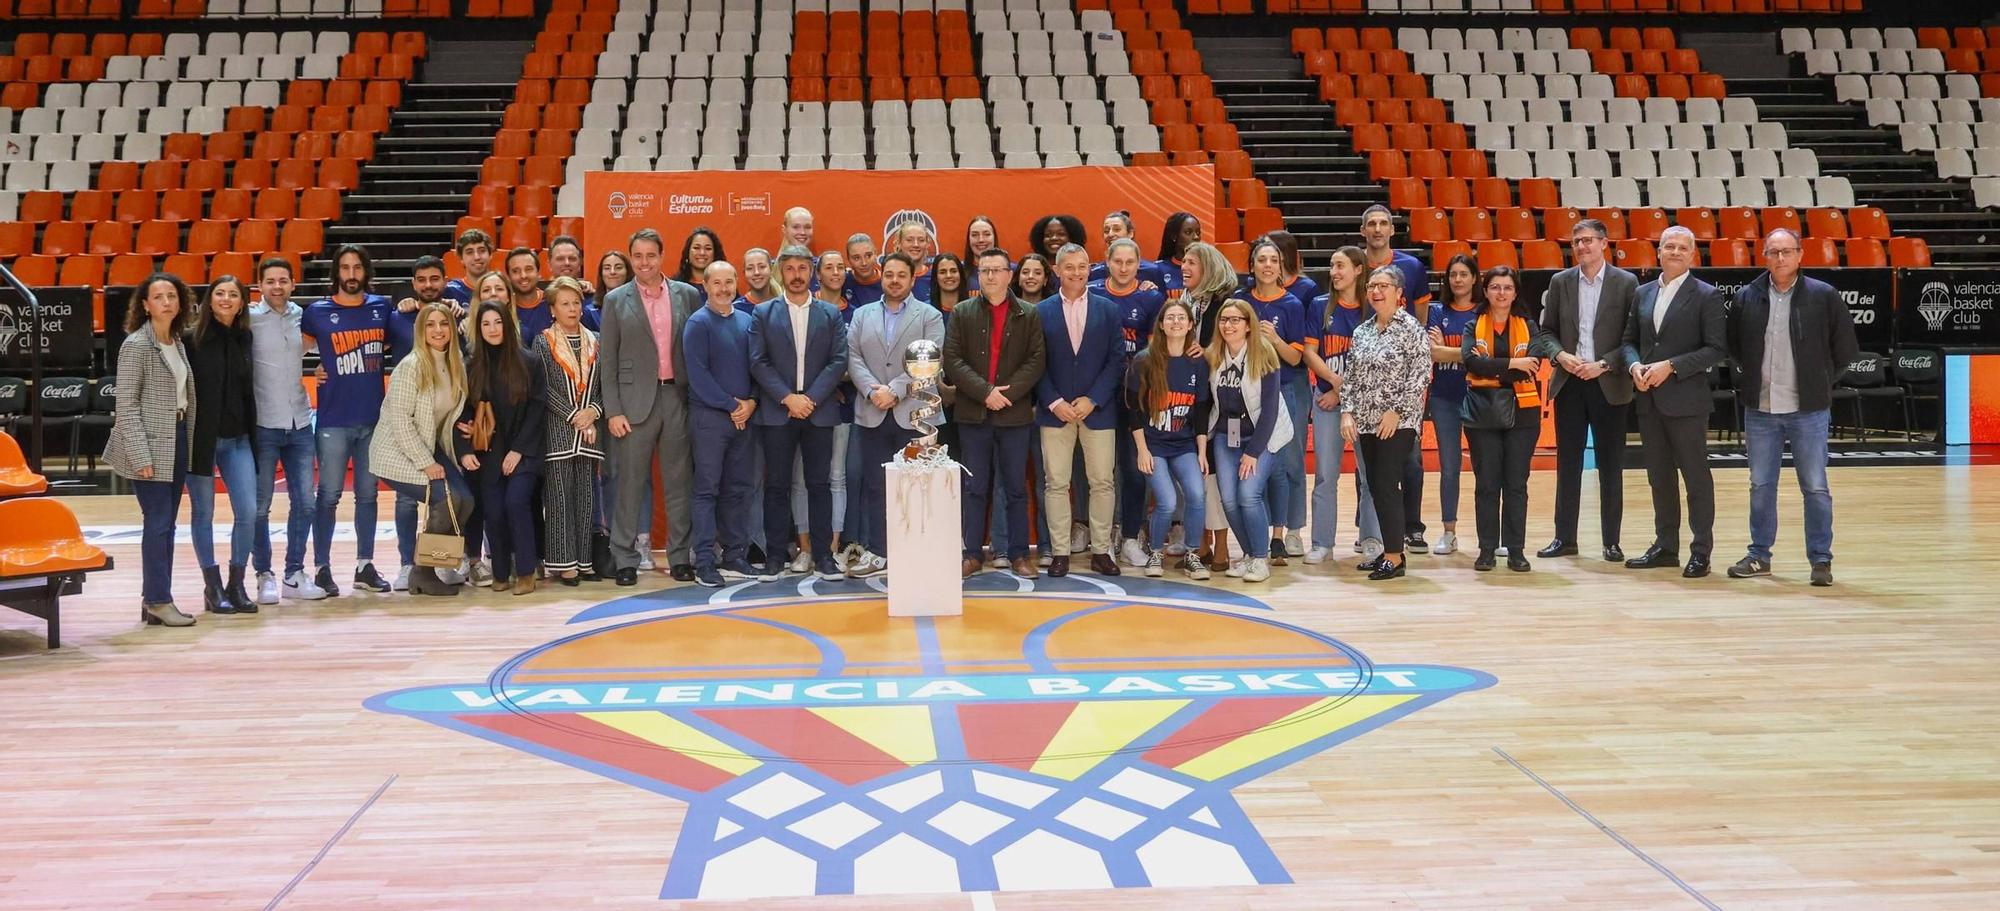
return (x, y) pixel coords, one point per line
(660, 313)
(1076, 313)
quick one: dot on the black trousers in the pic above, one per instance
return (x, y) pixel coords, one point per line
(1387, 461)
(783, 442)
(1583, 415)
(1677, 450)
(1500, 463)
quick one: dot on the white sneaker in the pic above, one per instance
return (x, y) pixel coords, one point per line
(1079, 538)
(267, 588)
(1176, 535)
(1500, 551)
(645, 549)
(1318, 555)
(482, 574)
(1370, 547)
(1357, 546)
(1155, 565)
(1258, 570)
(455, 576)
(402, 583)
(301, 587)
(1043, 559)
(1447, 543)
(866, 565)
(801, 564)
(1295, 546)
(1133, 553)
(1236, 566)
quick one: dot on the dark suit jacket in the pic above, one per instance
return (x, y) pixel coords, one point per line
(1560, 323)
(774, 361)
(1093, 372)
(1823, 343)
(1694, 337)
(968, 349)
(627, 356)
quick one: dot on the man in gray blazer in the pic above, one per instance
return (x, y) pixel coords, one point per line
(1678, 331)
(1583, 315)
(645, 402)
(876, 342)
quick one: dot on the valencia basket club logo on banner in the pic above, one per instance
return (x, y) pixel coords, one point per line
(1062, 734)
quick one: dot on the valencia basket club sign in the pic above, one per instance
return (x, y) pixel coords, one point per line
(1060, 734)
(745, 207)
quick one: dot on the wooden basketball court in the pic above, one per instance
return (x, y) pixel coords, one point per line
(1645, 741)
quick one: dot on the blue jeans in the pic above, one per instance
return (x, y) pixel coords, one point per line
(1243, 498)
(236, 462)
(339, 447)
(1449, 425)
(159, 509)
(1182, 471)
(1131, 489)
(294, 450)
(996, 462)
(410, 500)
(1036, 485)
(1327, 453)
(1413, 488)
(855, 521)
(719, 530)
(1366, 522)
(1285, 489)
(1767, 434)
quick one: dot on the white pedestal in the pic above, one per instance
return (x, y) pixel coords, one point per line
(924, 549)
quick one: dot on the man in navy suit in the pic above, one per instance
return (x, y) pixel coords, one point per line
(1076, 404)
(1678, 331)
(798, 356)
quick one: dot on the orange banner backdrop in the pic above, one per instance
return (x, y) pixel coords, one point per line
(745, 207)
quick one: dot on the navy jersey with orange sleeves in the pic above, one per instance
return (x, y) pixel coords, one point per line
(1290, 318)
(1171, 280)
(1448, 380)
(353, 346)
(1416, 283)
(1136, 311)
(1333, 333)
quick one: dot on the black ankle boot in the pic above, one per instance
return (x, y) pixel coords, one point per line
(212, 593)
(235, 594)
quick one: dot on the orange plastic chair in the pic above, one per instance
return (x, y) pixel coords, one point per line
(110, 238)
(157, 238)
(1541, 254)
(1866, 252)
(191, 267)
(1472, 224)
(1498, 253)
(320, 203)
(1430, 226)
(302, 236)
(1909, 253)
(82, 270)
(1633, 253)
(1559, 223)
(1867, 221)
(129, 269)
(208, 236)
(40, 536)
(1738, 222)
(255, 235)
(1443, 251)
(1408, 193)
(1728, 253)
(15, 478)
(63, 238)
(30, 269)
(1540, 193)
(137, 205)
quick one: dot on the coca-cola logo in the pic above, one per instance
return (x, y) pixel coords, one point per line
(65, 391)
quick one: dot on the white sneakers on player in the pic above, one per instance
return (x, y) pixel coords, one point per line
(1295, 546)
(1318, 555)
(301, 587)
(1132, 552)
(645, 549)
(1447, 543)
(267, 588)
(1155, 565)
(402, 583)
(1257, 570)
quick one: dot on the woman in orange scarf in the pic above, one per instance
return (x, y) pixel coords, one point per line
(1502, 412)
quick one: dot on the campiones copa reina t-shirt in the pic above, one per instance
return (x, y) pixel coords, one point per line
(353, 343)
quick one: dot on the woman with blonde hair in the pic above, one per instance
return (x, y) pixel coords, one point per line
(1247, 426)
(1207, 280)
(566, 359)
(412, 446)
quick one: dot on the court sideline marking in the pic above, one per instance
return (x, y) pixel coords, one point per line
(1607, 830)
(337, 835)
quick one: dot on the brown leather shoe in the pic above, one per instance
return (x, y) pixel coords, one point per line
(1058, 567)
(1103, 565)
(969, 567)
(1025, 567)
(524, 585)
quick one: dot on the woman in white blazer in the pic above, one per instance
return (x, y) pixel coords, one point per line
(412, 446)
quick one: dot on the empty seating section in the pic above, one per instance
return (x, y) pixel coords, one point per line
(544, 127)
(709, 84)
(1503, 138)
(1529, 7)
(1932, 85)
(203, 152)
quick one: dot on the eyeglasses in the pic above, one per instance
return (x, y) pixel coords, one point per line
(1770, 253)
(994, 270)
(1230, 319)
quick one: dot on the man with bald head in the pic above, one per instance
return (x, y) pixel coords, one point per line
(721, 399)
(1791, 338)
(1676, 333)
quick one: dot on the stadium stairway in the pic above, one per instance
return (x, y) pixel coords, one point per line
(1902, 184)
(413, 193)
(1306, 160)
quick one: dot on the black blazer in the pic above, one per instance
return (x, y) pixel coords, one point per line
(224, 391)
(774, 361)
(1562, 324)
(1694, 337)
(1823, 343)
(517, 426)
(968, 349)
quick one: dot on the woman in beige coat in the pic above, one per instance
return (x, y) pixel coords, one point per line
(412, 446)
(149, 435)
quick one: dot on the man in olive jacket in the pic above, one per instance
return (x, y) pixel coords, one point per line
(994, 353)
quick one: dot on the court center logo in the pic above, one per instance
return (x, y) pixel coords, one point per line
(1062, 734)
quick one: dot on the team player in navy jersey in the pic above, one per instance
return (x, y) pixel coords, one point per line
(1449, 321)
(350, 331)
(1332, 320)
(524, 287)
(1138, 306)
(1166, 415)
(1292, 270)
(613, 270)
(914, 240)
(864, 273)
(1051, 232)
(1281, 321)
(427, 286)
(703, 246)
(1118, 225)
(1378, 229)
(1182, 229)
(475, 254)
(981, 235)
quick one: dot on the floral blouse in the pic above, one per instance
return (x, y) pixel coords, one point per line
(1387, 369)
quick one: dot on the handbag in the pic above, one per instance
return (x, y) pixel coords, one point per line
(1488, 408)
(438, 550)
(482, 427)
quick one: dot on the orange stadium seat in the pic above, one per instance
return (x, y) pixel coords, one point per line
(32, 270)
(1909, 253)
(129, 269)
(1498, 253)
(1541, 254)
(63, 238)
(1729, 253)
(86, 270)
(1633, 253)
(1868, 221)
(1737, 221)
(1866, 252)
(1430, 226)
(1444, 250)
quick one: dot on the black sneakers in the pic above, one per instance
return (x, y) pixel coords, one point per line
(325, 582)
(1748, 567)
(368, 580)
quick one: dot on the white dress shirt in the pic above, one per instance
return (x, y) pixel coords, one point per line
(801, 314)
(1667, 291)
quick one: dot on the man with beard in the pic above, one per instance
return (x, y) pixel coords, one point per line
(877, 341)
(284, 430)
(524, 283)
(798, 356)
(475, 255)
(350, 332)
(427, 286)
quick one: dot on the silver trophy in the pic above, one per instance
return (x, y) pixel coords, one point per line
(924, 362)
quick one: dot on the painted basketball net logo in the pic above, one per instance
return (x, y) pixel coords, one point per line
(1079, 735)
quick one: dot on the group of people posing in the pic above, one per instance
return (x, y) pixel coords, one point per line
(528, 420)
